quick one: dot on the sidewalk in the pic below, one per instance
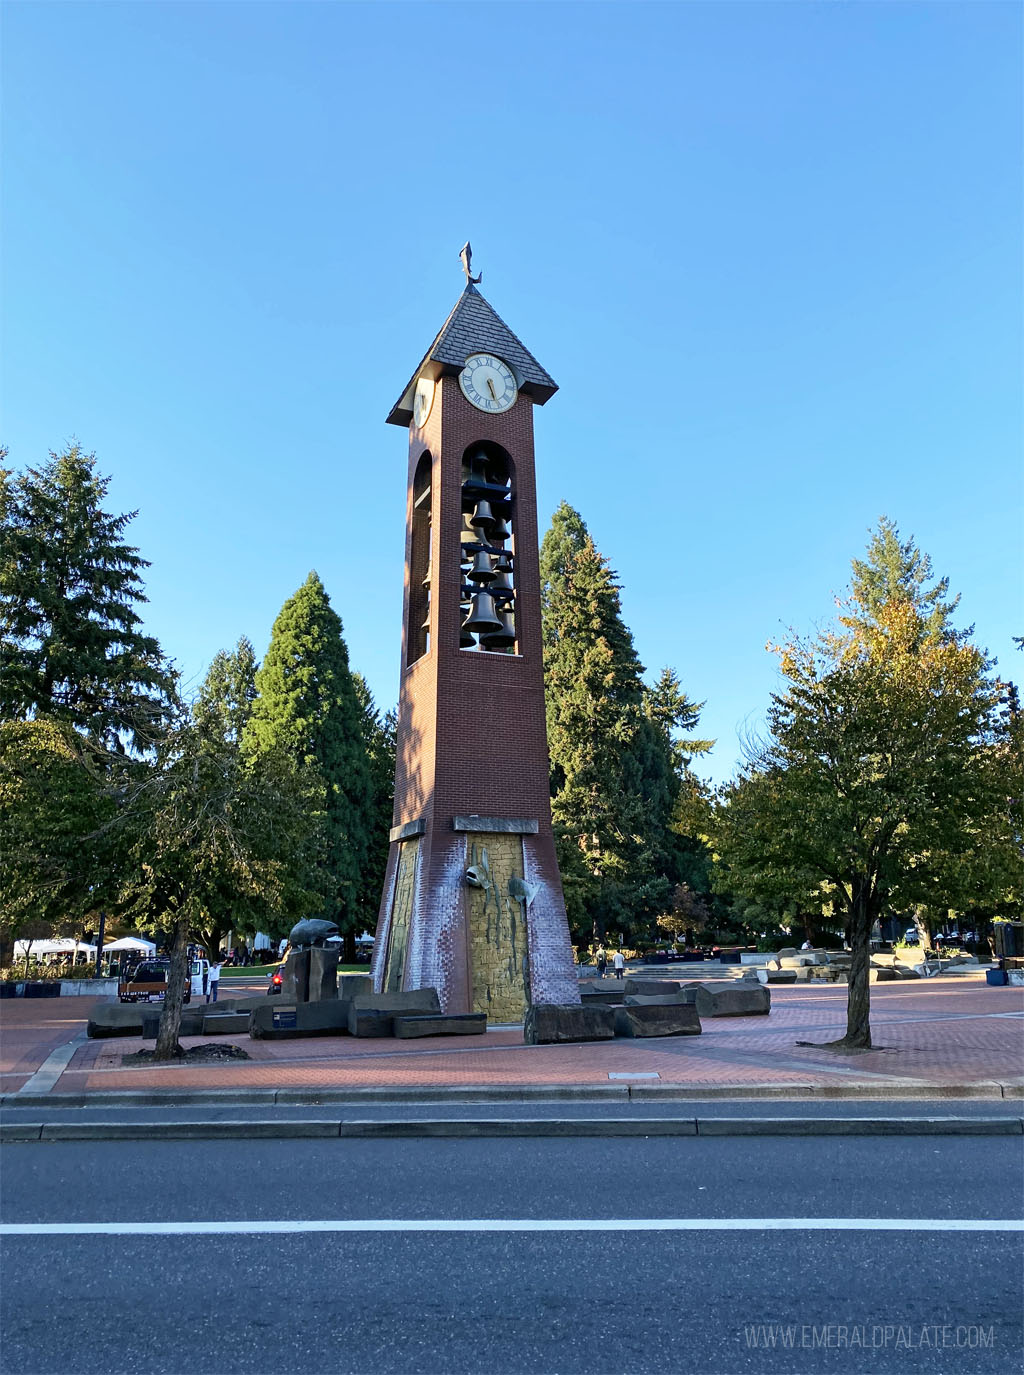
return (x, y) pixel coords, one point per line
(952, 1038)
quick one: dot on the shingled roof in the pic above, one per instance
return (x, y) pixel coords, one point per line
(474, 326)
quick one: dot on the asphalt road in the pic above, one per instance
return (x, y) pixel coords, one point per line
(703, 1301)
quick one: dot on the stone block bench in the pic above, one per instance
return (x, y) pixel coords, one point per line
(284, 1021)
(226, 1023)
(741, 1000)
(556, 1023)
(657, 1017)
(651, 988)
(611, 996)
(374, 1014)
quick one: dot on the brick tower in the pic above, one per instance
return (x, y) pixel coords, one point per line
(472, 902)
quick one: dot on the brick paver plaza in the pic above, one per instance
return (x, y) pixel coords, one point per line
(940, 1033)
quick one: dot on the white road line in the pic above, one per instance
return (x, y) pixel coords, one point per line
(642, 1224)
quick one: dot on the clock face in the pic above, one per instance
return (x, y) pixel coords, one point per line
(488, 383)
(422, 402)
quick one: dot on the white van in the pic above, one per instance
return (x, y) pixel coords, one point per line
(199, 978)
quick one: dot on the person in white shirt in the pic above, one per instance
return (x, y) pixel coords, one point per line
(211, 997)
(619, 963)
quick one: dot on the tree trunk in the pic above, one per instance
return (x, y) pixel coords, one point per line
(211, 937)
(348, 947)
(167, 1047)
(858, 1002)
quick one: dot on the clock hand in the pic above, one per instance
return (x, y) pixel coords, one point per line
(490, 385)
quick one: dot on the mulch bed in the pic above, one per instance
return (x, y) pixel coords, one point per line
(207, 1054)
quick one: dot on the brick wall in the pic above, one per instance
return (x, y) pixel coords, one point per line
(472, 734)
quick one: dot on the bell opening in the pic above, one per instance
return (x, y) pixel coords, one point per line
(486, 549)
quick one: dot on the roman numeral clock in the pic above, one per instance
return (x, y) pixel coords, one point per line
(472, 902)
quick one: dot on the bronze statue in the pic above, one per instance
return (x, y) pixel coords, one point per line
(304, 935)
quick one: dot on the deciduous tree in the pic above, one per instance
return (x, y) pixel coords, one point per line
(208, 831)
(876, 769)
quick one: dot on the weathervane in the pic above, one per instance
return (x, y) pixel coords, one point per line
(467, 259)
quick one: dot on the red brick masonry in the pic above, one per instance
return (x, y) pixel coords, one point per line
(939, 1034)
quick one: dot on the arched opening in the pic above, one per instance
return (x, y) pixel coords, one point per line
(487, 550)
(417, 636)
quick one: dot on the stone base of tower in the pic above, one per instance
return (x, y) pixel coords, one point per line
(477, 914)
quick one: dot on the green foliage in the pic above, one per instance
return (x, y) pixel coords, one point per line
(220, 714)
(896, 571)
(71, 646)
(55, 803)
(216, 835)
(878, 780)
(617, 764)
(212, 836)
(225, 699)
(380, 734)
(563, 541)
(308, 708)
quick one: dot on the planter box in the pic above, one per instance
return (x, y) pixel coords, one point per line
(88, 988)
(43, 988)
(11, 990)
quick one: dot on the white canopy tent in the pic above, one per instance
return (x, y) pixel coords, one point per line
(132, 943)
(65, 946)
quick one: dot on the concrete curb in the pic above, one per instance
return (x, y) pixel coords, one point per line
(598, 1093)
(475, 1129)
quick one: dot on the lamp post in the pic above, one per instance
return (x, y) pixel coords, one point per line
(99, 942)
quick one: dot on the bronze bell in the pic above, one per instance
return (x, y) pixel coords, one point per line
(502, 587)
(482, 618)
(483, 517)
(502, 638)
(499, 531)
(481, 570)
(477, 465)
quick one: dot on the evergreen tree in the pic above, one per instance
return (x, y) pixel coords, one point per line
(679, 798)
(610, 795)
(380, 735)
(895, 571)
(225, 698)
(71, 644)
(307, 705)
(563, 541)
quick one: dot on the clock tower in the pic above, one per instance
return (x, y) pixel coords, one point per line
(472, 902)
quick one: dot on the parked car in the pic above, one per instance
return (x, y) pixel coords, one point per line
(147, 983)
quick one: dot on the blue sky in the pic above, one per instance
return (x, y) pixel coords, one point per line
(770, 252)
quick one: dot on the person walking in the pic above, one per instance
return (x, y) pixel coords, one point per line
(211, 997)
(619, 961)
(600, 955)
